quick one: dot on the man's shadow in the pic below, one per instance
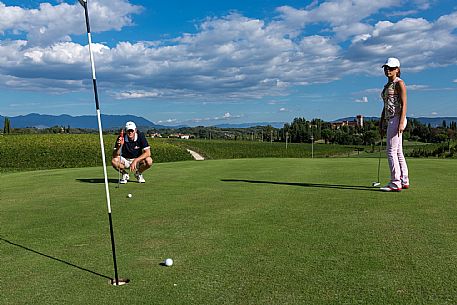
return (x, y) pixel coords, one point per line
(53, 258)
(305, 184)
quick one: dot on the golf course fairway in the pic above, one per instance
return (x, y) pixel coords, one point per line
(242, 231)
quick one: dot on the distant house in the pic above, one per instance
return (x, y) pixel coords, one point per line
(155, 135)
(358, 122)
(181, 136)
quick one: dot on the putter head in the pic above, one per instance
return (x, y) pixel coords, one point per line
(376, 184)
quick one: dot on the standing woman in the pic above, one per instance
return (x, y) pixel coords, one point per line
(394, 115)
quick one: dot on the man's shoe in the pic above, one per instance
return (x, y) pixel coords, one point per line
(139, 177)
(390, 188)
(125, 178)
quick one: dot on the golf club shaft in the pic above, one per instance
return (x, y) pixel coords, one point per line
(102, 146)
(120, 154)
(379, 158)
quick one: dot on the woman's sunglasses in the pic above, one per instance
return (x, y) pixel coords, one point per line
(389, 68)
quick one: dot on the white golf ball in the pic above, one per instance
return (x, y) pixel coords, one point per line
(129, 195)
(168, 262)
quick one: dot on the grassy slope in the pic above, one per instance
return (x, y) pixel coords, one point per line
(291, 231)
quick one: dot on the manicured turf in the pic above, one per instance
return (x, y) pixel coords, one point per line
(251, 231)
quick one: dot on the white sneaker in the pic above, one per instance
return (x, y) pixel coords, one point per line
(139, 177)
(390, 188)
(125, 178)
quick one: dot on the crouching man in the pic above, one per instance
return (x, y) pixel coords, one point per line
(132, 151)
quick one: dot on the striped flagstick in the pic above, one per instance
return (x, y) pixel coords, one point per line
(94, 81)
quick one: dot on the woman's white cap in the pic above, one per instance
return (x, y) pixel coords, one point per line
(392, 62)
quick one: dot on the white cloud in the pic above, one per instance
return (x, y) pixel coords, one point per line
(168, 121)
(231, 57)
(137, 94)
(342, 15)
(417, 87)
(364, 99)
(212, 120)
(226, 116)
(51, 23)
(410, 40)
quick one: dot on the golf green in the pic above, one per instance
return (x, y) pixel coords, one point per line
(250, 231)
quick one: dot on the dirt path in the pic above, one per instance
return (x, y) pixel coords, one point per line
(196, 155)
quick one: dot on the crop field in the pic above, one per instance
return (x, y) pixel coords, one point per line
(242, 231)
(220, 149)
(48, 151)
(32, 152)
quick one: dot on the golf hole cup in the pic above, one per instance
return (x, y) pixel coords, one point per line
(168, 262)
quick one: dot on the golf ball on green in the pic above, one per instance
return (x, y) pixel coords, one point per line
(168, 262)
(129, 195)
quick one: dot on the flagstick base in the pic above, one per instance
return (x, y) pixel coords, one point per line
(120, 282)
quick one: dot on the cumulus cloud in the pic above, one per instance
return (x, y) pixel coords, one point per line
(410, 39)
(168, 121)
(137, 94)
(50, 23)
(341, 15)
(227, 116)
(229, 57)
(364, 99)
(417, 87)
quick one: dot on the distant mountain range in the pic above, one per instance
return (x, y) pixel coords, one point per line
(118, 121)
(247, 125)
(434, 122)
(84, 121)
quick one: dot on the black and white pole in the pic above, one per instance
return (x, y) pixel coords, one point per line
(102, 146)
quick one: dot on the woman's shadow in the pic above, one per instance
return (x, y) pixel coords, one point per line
(306, 184)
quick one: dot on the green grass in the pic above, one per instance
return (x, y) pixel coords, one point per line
(250, 231)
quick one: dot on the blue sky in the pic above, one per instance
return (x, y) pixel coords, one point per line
(211, 62)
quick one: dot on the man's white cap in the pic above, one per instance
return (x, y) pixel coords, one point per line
(392, 62)
(130, 125)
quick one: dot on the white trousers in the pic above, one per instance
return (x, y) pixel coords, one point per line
(397, 162)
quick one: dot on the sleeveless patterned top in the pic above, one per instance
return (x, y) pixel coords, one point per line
(392, 100)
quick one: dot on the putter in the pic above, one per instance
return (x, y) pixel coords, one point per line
(121, 136)
(377, 183)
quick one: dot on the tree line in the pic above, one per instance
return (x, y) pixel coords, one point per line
(300, 130)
